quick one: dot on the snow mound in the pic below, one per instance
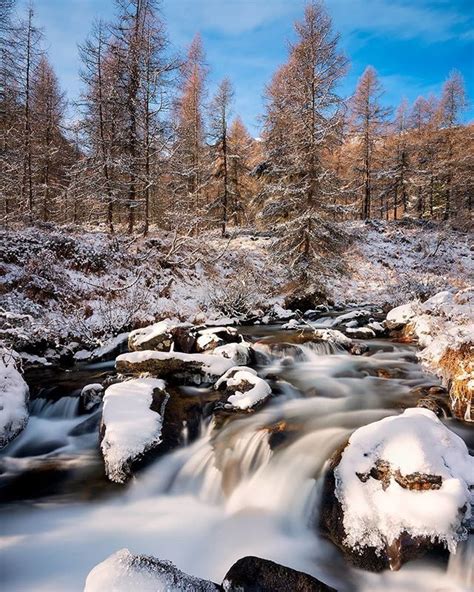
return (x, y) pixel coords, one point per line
(245, 397)
(130, 427)
(405, 474)
(125, 572)
(13, 399)
(333, 335)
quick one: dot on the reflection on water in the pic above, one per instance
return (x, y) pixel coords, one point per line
(250, 488)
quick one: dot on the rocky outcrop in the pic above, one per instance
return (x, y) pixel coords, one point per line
(443, 325)
(253, 574)
(185, 368)
(381, 500)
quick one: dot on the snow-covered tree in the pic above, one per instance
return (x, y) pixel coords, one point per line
(368, 119)
(301, 121)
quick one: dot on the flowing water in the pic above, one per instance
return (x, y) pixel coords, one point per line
(249, 488)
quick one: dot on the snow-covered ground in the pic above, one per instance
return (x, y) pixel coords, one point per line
(77, 288)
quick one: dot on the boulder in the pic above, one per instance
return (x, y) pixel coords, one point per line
(212, 337)
(383, 491)
(187, 368)
(14, 394)
(253, 574)
(91, 397)
(126, 572)
(242, 389)
(131, 424)
(162, 336)
(398, 317)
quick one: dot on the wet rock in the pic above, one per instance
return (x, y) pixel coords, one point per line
(185, 368)
(126, 572)
(434, 398)
(305, 300)
(253, 574)
(91, 397)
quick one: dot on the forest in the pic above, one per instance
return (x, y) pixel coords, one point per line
(145, 145)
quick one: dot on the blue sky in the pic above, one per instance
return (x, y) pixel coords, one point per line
(413, 44)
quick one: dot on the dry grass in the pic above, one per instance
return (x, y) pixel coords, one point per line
(458, 368)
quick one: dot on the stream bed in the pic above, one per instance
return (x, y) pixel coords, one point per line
(249, 488)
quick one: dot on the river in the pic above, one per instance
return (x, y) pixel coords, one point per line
(250, 488)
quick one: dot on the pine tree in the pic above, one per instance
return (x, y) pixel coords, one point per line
(240, 165)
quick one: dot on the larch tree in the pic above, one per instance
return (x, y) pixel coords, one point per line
(424, 150)
(453, 102)
(368, 118)
(240, 165)
(28, 53)
(100, 123)
(301, 121)
(189, 157)
(220, 110)
(50, 147)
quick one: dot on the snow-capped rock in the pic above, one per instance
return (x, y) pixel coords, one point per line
(91, 396)
(400, 316)
(243, 388)
(212, 337)
(238, 353)
(191, 368)
(360, 332)
(13, 398)
(132, 418)
(159, 337)
(400, 486)
(125, 572)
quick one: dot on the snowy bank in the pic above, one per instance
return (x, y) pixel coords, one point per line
(131, 424)
(444, 328)
(13, 398)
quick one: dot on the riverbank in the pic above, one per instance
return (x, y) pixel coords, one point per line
(67, 290)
